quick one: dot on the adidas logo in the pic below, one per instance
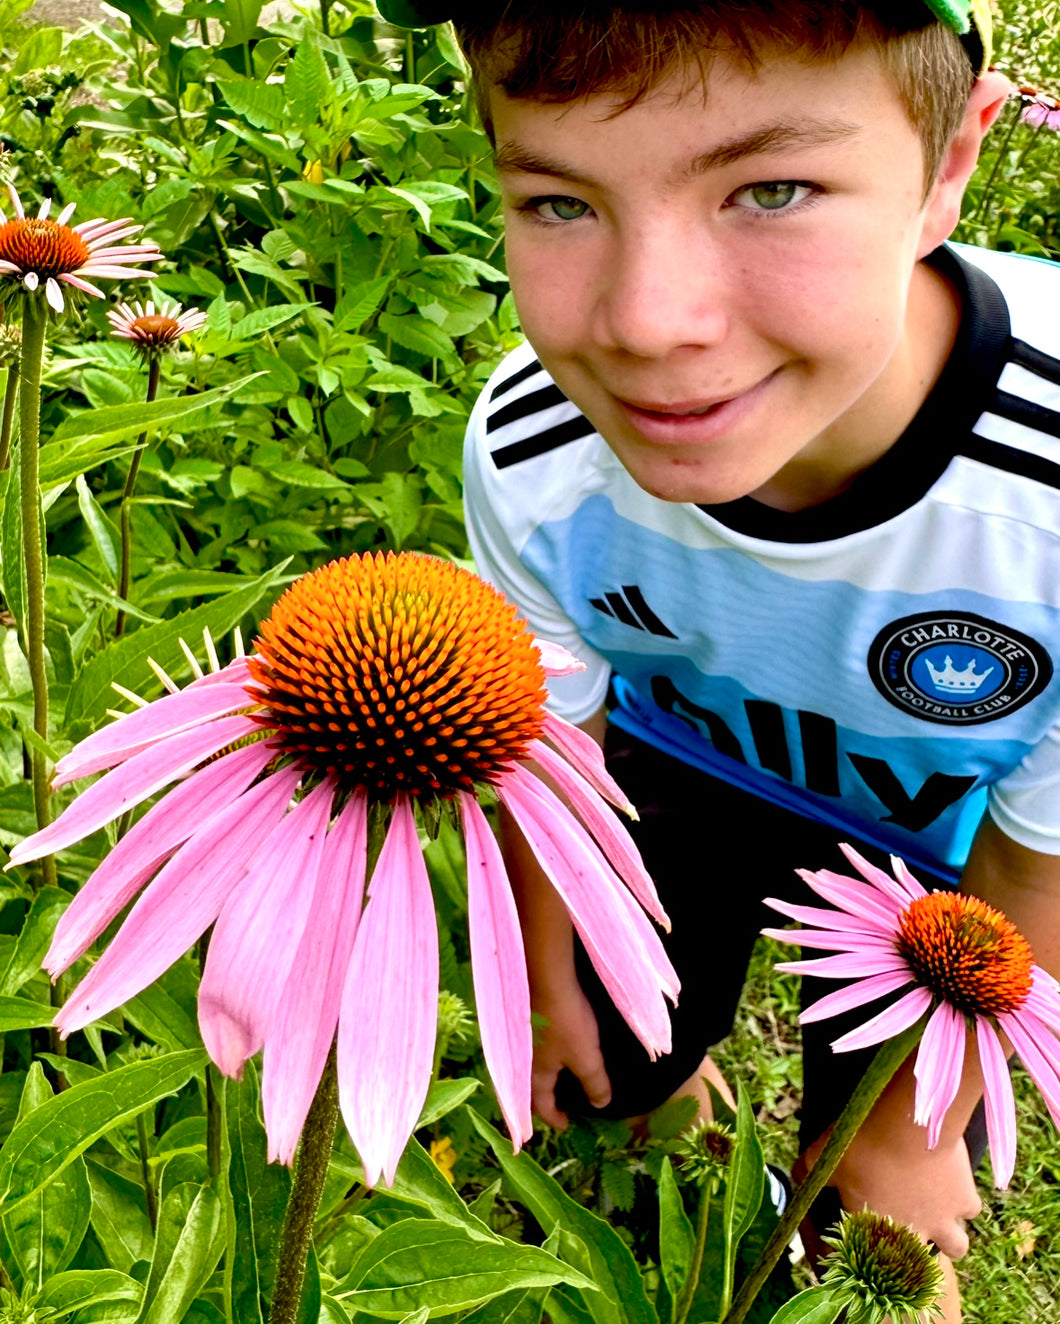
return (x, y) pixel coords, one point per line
(629, 607)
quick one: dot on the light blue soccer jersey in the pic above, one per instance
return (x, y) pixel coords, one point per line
(884, 662)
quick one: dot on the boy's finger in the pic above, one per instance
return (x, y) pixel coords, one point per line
(596, 1084)
(543, 1100)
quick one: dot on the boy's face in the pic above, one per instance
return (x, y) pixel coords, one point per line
(728, 287)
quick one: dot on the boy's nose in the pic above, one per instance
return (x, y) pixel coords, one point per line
(663, 294)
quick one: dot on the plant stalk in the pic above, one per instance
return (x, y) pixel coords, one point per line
(154, 373)
(890, 1056)
(695, 1269)
(10, 396)
(34, 322)
(311, 1169)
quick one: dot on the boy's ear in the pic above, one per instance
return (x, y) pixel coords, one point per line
(942, 210)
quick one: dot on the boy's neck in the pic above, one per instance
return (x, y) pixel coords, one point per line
(871, 427)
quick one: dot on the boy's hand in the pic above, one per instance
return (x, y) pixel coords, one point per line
(571, 1040)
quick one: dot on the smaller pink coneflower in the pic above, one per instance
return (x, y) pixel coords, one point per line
(1042, 112)
(959, 959)
(152, 330)
(36, 250)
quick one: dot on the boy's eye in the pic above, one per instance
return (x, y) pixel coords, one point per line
(772, 195)
(559, 209)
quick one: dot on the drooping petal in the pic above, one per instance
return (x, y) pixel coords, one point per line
(584, 754)
(165, 717)
(389, 1015)
(297, 1045)
(854, 995)
(998, 1102)
(53, 294)
(610, 835)
(847, 965)
(938, 1067)
(498, 968)
(180, 903)
(256, 937)
(1039, 1068)
(556, 660)
(187, 809)
(887, 1023)
(623, 946)
(132, 783)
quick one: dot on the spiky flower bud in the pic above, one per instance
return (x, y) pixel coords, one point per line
(884, 1268)
(704, 1151)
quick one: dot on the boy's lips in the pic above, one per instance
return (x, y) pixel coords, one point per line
(690, 421)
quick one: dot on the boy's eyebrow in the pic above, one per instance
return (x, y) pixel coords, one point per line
(510, 157)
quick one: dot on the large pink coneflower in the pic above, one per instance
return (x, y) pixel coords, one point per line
(959, 959)
(36, 250)
(379, 683)
(152, 330)
(1042, 112)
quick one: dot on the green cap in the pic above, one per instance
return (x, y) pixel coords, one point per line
(970, 18)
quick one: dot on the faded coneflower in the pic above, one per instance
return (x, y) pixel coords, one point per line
(37, 250)
(378, 683)
(959, 959)
(152, 331)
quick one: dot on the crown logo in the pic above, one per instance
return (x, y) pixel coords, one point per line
(957, 682)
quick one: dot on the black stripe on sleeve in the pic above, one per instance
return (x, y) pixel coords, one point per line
(545, 398)
(1012, 460)
(540, 442)
(1042, 365)
(1031, 415)
(516, 379)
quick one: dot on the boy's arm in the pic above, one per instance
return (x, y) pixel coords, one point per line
(889, 1167)
(570, 1039)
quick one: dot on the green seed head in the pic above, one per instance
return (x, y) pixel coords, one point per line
(885, 1269)
(705, 1150)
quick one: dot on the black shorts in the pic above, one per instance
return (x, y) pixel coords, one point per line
(714, 852)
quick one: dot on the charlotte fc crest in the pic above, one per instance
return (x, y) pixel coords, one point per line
(955, 667)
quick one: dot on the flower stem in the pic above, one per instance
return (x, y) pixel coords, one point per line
(10, 395)
(154, 372)
(688, 1292)
(145, 1171)
(310, 1171)
(890, 1056)
(34, 321)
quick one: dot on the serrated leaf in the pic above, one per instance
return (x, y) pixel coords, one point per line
(264, 319)
(41, 1145)
(260, 104)
(298, 474)
(411, 331)
(360, 302)
(61, 570)
(306, 83)
(125, 659)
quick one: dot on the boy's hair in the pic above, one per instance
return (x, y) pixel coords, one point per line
(558, 51)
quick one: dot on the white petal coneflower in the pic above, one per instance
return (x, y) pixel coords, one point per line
(151, 330)
(378, 683)
(36, 250)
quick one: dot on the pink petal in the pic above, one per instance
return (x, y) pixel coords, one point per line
(854, 995)
(498, 967)
(621, 943)
(604, 825)
(855, 898)
(999, 1103)
(585, 754)
(256, 937)
(68, 278)
(556, 660)
(187, 809)
(132, 783)
(913, 888)
(896, 1018)
(939, 1063)
(848, 965)
(54, 294)
(298, 1042)
(389, 1014)
(165, 717)
(180, 904)
(836, 942)
(879, 877)
(1022, 1033)
(826, 918)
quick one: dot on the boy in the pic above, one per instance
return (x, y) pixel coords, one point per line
(784, 472)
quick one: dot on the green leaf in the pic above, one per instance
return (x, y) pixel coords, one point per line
(306, 84)
(169, 584)
(125, 659)
(45, 1232)
(298, 474)
(260, 104)
(73, 575)
(443, 1097)
(41, 1145)
(188, 1244)
(240, 19)
(510, 1308)
(744, 1184)
(37, 51)
(257, 1199)
(119, 1216)
(11, 557)
(416, 1263)
(676, 1235)
(67, 1292)
(606, 1258)
(105, 536)
(21, 1014)
(261, 320)
(414, 332)
(816, 1305)
(34, 939)
(360, 302)
(165, 1010)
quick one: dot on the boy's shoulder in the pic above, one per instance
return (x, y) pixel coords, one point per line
(1030, 286)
